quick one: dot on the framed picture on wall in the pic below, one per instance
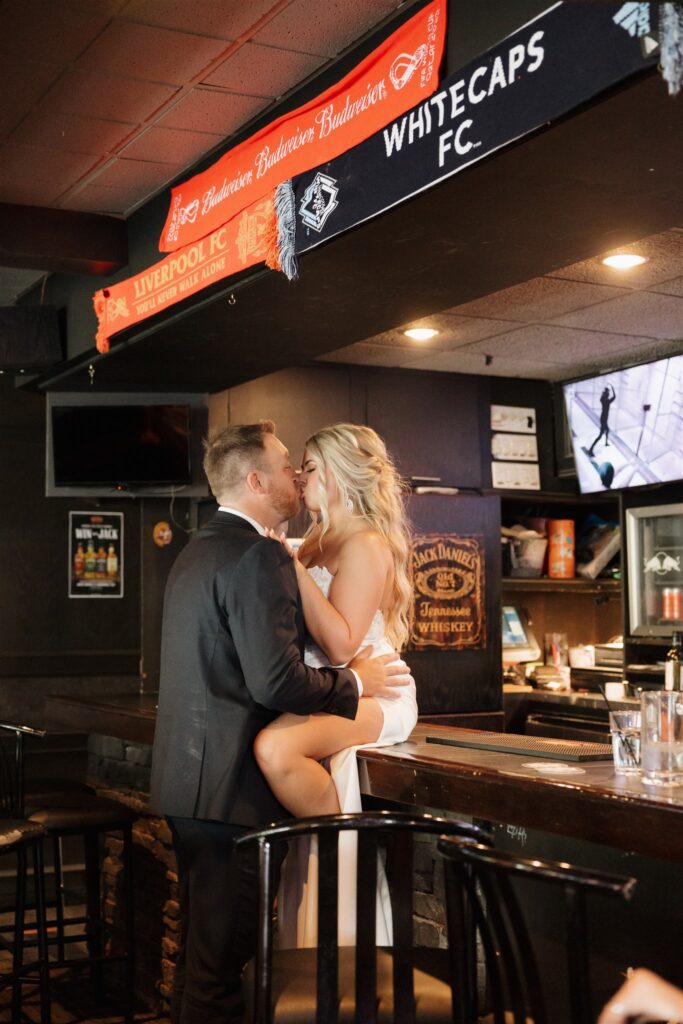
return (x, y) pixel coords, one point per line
(564, 455)
(95, 554)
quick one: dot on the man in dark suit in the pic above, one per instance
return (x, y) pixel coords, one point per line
(232, 642)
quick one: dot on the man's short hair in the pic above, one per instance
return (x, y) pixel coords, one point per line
(233, 452)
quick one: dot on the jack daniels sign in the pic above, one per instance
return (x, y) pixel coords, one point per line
(560, 59)
(448, 587)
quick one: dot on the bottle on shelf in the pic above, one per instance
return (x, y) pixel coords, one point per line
(673, 666)
(112, 562)
(90, 561)
(101, 563)
(79, 562)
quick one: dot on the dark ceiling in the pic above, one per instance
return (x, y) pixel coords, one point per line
(604, 176)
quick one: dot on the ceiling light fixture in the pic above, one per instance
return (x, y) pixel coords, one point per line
(624, 260)
(420, 333)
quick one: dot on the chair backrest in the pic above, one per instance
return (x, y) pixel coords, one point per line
(478, 886)
(12, 767)
(398, 830)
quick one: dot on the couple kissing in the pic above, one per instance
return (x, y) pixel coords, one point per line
(273, 660)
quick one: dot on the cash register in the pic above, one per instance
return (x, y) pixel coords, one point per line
(519, 643)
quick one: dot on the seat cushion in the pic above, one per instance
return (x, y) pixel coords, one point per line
(15, 831)
(79, 811)
(294, 982)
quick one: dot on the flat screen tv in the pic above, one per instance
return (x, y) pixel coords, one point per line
(627, 426)
(127, 445)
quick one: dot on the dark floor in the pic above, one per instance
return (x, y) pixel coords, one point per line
(73, 1000)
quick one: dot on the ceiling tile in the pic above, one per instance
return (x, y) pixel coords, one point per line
(53, 168)
(170, 145)
(112, 97)
(23, 83)
(210, 110)
(153, 54)
(551, 344)
(102, 199)
(463, 362)
(322, 29)
(29, 193)
(43, 30)
(664, 252)
(224, 19)
(538, 299)
(453, 331)
(673, 287)
(649, 314)
(144, 176)
(72, 134)
(367, 354)
(263, 70)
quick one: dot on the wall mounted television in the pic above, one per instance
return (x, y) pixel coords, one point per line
(125, 444)
(627, 426)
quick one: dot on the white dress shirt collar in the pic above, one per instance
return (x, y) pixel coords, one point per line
(243, 515)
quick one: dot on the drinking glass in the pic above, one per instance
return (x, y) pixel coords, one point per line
(662, 737)
(556, 649)
(625, 730)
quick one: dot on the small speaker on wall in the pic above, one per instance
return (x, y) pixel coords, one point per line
(29, 337)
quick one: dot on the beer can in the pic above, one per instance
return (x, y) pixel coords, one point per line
(676, 603)
(667, 603)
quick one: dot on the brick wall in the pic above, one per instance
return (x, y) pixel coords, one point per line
(155, 882)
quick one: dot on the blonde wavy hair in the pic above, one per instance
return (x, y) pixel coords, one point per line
(370, 487)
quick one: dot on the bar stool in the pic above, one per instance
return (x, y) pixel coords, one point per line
(68, 809)
(19, 838)
(89, 817)
(478, 883)
(365, 984)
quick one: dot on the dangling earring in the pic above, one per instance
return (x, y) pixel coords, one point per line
(349, 505)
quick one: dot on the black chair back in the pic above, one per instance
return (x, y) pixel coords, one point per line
(398, 830)
(478, 883)
(12, 767)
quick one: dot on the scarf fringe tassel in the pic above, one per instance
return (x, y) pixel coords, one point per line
(671, 44)
(280, 243)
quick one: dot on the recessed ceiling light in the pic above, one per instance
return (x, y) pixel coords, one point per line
(421, 333)
(624, 260)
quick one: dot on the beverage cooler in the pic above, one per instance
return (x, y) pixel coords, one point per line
(654, 588)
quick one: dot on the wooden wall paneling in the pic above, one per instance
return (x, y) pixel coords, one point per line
(430, 422)
(155, 564)
(466, 680)
(44, 632)
(300, 401)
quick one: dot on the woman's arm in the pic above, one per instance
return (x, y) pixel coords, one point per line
(646, 996)
(339, 624)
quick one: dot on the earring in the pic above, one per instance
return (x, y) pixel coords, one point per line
(349, 505)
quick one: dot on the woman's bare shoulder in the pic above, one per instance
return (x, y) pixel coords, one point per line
(366, 542)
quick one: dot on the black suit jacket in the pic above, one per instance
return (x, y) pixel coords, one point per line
(231, 661)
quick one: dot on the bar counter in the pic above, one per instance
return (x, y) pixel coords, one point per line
(593, 804)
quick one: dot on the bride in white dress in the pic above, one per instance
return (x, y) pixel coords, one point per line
(352, 569)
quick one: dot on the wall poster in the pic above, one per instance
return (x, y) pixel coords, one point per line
(95, 554)
(448, 585)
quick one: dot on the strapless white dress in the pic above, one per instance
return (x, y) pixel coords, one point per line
(297, 903)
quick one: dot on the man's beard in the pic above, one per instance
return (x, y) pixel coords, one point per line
(285, 503)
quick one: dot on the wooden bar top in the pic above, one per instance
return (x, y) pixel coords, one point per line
(592, 803)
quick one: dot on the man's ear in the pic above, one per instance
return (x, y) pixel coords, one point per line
(254, 481)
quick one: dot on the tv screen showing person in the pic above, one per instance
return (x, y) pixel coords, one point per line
(627, 426)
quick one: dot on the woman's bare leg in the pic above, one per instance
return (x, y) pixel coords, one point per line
(289, 750)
